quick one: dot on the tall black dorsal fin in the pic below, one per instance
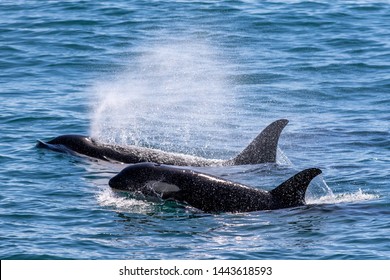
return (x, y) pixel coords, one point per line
(263, 148)
(292, 192)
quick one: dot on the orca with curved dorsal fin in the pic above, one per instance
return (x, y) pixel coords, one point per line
(261, 150)
(209, 193)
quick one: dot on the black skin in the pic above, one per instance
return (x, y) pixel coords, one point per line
(262, 149)
(209, 193)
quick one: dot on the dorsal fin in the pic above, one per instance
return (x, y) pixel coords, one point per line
(263, 148)
(292, 192)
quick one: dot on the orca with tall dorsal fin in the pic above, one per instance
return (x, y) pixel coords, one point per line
(262, 149)
(209, 193)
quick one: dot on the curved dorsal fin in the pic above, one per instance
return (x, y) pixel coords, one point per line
(292, 192)
(263, 148)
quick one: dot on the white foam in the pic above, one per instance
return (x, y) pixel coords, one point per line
(331, 198)
(320, 193)
(107, 198)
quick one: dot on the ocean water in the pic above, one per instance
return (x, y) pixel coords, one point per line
(201, 78)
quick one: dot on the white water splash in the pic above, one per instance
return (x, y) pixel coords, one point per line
(173, 95)
(320, 193)
(357, 196)
(107, 198)
(282, 159)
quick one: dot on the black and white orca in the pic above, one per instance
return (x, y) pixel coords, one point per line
(209, 193)
(261, 150)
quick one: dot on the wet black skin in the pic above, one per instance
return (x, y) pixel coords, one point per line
(262, 149)
(209, 193)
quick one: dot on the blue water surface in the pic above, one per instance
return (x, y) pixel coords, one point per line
(201, 78)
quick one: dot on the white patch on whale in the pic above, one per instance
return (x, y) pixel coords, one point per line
(162, 187)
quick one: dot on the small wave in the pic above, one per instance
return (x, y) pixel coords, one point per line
(331, 198)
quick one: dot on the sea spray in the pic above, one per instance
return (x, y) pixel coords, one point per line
(107, 198)
(172, 96)
(320, 193)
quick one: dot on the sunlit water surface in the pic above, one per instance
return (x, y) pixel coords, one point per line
(199, 78)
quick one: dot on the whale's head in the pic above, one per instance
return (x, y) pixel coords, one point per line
(70, 140)
(69, 144)
(136, 176)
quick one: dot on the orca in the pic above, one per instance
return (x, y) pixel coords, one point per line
(261, 150)
(209, 193)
